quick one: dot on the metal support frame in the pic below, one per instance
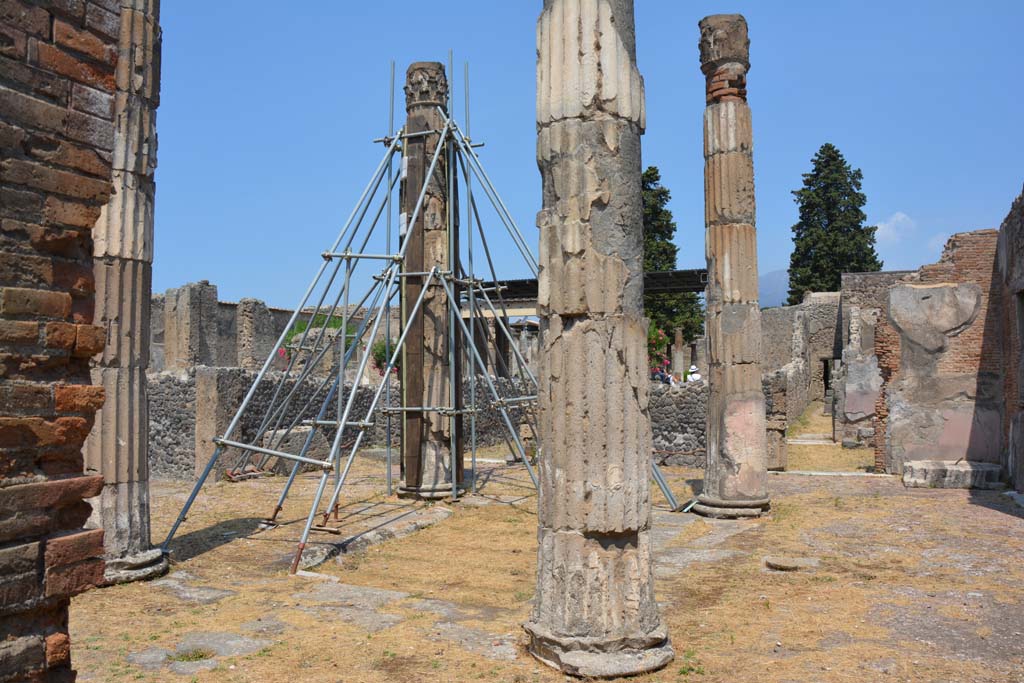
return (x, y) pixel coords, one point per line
(311, 391)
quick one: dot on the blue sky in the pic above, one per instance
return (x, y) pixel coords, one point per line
(268, 110)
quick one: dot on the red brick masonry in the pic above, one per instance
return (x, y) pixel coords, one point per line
(58, 61)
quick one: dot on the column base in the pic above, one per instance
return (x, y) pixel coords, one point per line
(142, 566)
(429, 492)
(589, 658)
(717, 508)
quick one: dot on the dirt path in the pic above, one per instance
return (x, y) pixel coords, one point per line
(922, 585)
(810, 447)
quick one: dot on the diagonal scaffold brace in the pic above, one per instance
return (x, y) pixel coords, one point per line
(374, 288)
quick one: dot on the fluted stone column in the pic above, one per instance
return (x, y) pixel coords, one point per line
(117, 448)
(594, 612)
(735, 483)
(432, 451)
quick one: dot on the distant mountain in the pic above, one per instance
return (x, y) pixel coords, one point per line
(774, 287)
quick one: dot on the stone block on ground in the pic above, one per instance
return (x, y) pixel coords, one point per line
(949, 474)
(781, 563)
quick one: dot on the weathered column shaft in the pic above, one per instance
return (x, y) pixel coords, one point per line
(123, 256)
(735, 484)
(594, 612)
(431, 450)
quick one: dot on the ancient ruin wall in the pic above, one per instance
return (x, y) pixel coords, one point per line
(679, 423)
(1010, 260)
(172, 424)
(190, 327)
(57, 76)
(939, 352)
(869, 290)
(175, 414)
(857, 385)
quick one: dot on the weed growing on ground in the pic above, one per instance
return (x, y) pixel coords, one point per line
(198, 654)
(691, 665)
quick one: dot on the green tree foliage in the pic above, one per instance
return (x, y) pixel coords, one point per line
(666, 311)
(831, 237)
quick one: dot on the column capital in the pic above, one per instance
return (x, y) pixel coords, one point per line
(426, 85)
(724, 56)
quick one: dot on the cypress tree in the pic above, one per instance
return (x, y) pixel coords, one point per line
(665, 311)
(831, 237)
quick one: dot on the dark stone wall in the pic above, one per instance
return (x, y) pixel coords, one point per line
(679, 420)
(1010, 260)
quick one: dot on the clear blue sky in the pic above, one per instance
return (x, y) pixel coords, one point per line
(268, 108)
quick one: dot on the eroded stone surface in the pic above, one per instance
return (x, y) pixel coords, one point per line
(362, 597)
(431, 439)
(944, 474)
(735, 482)
(151, 659)
(202, 595)
(594, 612)
(221, 644)
(123, 254)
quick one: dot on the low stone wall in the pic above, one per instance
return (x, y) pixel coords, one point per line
(172, 424)
(679, 420)
(176, 445)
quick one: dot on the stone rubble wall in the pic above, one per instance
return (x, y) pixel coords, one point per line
(58, 70)
(822, 342)
(679, 423)
(180, 427)
(788, 389)
(172, 424)
(678, 416)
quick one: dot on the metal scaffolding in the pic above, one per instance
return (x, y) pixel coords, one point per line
(363, 271)
(355, 277)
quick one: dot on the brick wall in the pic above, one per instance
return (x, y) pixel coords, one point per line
(1011, 270)
(58, 62)
(970, 257)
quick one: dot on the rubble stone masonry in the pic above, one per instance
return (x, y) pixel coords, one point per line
(58, 64)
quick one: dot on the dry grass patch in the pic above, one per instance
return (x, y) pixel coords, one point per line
(828, 458)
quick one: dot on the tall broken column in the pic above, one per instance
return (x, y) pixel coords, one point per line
(431, 448)
(117, 448)
(594, 612)
(735, 483)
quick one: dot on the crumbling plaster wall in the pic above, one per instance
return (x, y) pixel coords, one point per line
(939, 352)
(857, 384)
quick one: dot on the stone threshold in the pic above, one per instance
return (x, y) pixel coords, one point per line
(807, 473)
